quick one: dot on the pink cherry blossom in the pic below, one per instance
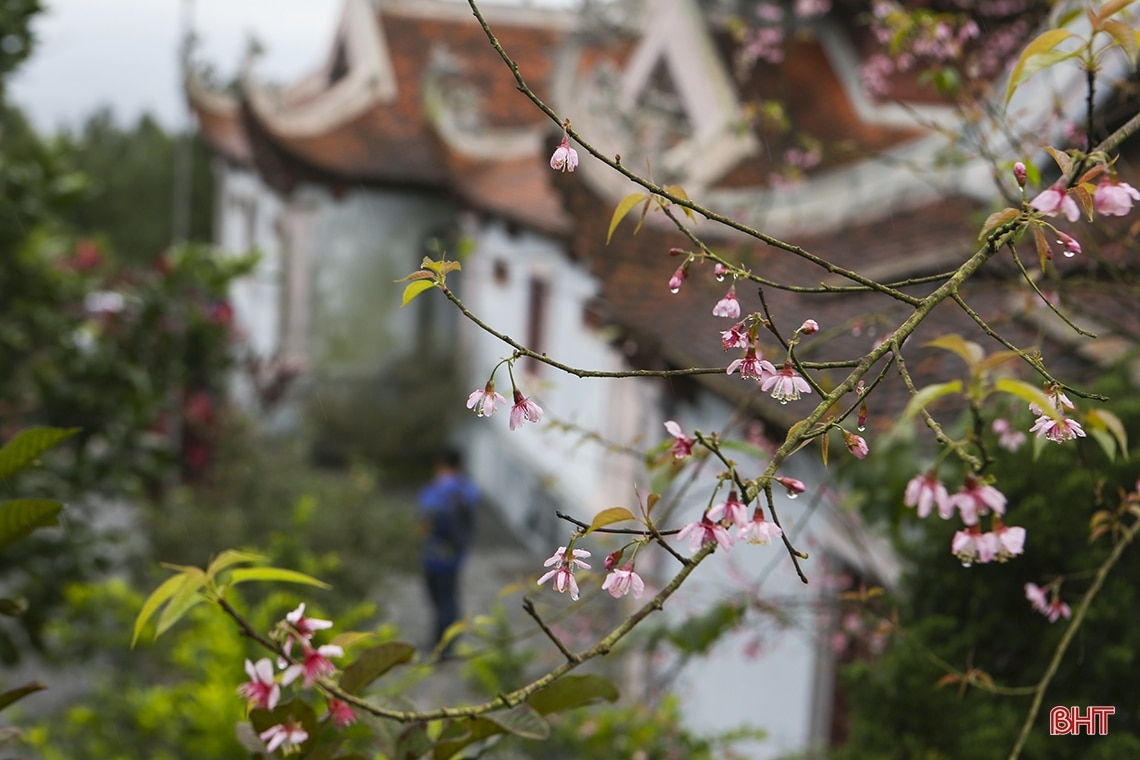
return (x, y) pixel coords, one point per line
(288, 736)
(705, 532)
(1114, 198)
(341, 714)
(563, 574)
(809, 327)
(786, 385)
(1020, 173)
(262, 689)
(1060, 400)
(1058, 431)
(303, 626)
(735, 337)
(975, 499)
(682, 444)
(565, 158)
(925, 492)
(795, 487)
(1009, 437)
(1037, 597)
(677, 279)
(760, 531)
(315, 663)
(732, 508)
(971, 546)
(856, 444)
(1053, 200)
(719, 271)
(728, 306)
(622, 582)
(485, 402)
(752, 366)
(1072, 247)
(1010, 541)
(524, 410)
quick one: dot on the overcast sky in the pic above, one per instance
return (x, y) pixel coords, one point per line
(124, 52)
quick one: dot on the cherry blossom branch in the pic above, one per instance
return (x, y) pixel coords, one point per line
(523, 351)
(1032, 361)
(940, 435)
(616, 531)
(528, 607)
(1070, 634)
(1046, 301)
(661, 191)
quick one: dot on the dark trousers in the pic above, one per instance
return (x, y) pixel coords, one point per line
(443, 590)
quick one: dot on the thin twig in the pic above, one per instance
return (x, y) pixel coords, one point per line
(528, 606)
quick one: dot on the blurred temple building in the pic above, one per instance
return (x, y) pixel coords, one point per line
(413, 139)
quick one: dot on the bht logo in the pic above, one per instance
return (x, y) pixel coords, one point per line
(1068, 720)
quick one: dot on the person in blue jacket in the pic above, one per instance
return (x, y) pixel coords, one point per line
(447, 515)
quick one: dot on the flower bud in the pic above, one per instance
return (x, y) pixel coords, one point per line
(1019, 173)
(809, 327)
(613, 558)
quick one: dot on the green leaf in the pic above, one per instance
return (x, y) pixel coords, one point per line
(824, 445)
(928, 395)
(1102, 419)
(623, 208)
(414, 288)
(229, 558)
(19, 517)
(1030, 393)
(610, 516)
(1106, 442)
(1038, 54)
(970, 351)
(14, 695)
(572, 691)
(419, 274)
(27, 446)
(521, 720)
(1044, 252)
(157, 598)
(373, 663)
(997, 219)
(185, 598)
(244, 574)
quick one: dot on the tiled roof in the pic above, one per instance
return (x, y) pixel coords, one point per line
(219, 120)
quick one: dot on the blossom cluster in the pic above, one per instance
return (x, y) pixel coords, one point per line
(485, 402)
(1111, 198)
(1051, 607)
(720, 518)
(263, 689)
(974, 500)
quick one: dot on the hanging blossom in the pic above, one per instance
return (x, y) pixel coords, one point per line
(760, 531)
(1113, 198)
(705, 532)
(1054, 200)
(971, 545)
(341, 714)
(924, 492)
(1060, 429)
(524, 410)
(732, 508)
(565, 158)
(563, 574)
(678, 278)
(262, 689)
(795, 487)
(735, 337)
(288, 736)
(786, 385)
(1051, 608)
(1071, 246)
(314, 664)
(856, 444)
(975, 499)
(1009, 437)
(728, 306)
(682, 444)
(486, 401)
(624, 581)
(752, 365)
